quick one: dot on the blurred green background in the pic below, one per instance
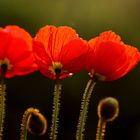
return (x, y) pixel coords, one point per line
(89, 18)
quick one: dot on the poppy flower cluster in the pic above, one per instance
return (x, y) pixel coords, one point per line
(59, 52)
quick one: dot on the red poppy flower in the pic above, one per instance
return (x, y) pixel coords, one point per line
(59, 51)
(109, 57)
(16, 51)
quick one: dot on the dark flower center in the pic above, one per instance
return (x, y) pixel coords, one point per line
(57, 72)
(95, 78)
(4, 68)
(98, 77)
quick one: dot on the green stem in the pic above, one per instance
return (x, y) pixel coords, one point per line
(24, 126)
(55, 113)
(84, 109)
(2, 105)
(101, 129)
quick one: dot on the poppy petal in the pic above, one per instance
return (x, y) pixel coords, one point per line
(73, 55)
(20, 41)
(3, 44)
(54, 39)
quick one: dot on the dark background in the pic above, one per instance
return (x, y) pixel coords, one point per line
(89, 18)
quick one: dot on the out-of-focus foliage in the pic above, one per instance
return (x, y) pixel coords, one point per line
(89, 17)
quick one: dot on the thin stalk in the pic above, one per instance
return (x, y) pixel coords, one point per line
(2, 101)
(24, 126)
(55, 113)
(100, 129)
(84, 109)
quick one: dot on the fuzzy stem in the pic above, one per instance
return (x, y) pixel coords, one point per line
(101, 129)
(84, 109)
(55, 113)
(2, 104)
(25, 121)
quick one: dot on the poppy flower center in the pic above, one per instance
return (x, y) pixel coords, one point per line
(57, 71)
(5, 65)
(3, 68)
(96, 76)
(56, 68)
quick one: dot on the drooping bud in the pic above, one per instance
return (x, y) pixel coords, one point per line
(37, 124)
(108, 109)
(34, 122)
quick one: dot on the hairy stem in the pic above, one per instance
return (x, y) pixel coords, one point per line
(84, 109)
(55, 113)
(101, 129)
(2, 105)
(25, 121)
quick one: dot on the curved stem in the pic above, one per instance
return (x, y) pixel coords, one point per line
(84, 109)
(2, 104)
(55, 113)
(101, 129)
(24, 125)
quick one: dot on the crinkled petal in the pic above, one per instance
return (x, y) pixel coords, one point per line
(42, 58)
(54, 39)
(103, 37)
(108, 57)
(109, 36)
(73, 55)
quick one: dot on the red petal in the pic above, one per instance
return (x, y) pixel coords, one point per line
(3, 44)
(54, 39)
(42, 57)
(109, 36)
(105, 36)
(19, 44)
(40, 52)
(110, 56)
(18, 32)
(73, 55)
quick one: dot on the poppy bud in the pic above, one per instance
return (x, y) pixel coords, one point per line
(34, 122)
(37, 123)
(108, 109)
